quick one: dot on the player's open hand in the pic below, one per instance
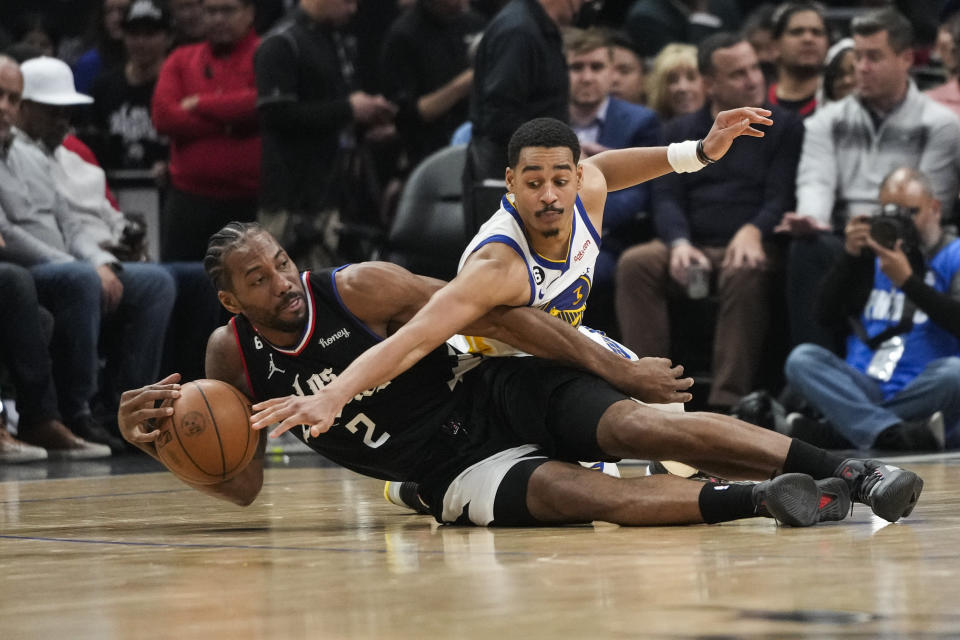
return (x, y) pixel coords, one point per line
(657, 380)
(139, 406)
(731, 124)
(318, 411)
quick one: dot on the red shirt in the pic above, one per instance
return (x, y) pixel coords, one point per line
(215, 146)
(802, 108)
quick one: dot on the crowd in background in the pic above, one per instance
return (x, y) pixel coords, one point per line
(762, 273)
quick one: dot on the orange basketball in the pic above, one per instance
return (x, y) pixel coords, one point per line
(208, 438)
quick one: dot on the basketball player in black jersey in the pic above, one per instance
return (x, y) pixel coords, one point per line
(494, 445)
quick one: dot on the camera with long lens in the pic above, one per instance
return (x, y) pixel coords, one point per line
(895, 222)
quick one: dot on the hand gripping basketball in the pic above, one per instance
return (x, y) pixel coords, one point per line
(207, 439)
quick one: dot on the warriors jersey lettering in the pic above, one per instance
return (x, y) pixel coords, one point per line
(383, 431)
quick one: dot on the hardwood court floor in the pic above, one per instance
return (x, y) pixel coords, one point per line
(321, 555)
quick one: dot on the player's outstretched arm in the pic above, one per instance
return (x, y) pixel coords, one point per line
(624, 168)
(386, 298)
(654, 380)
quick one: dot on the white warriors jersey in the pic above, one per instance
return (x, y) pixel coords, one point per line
(559, 287)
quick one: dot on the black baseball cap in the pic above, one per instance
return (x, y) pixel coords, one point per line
(146, 13)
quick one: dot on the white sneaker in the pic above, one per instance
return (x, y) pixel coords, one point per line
(13, 451)
(80, 450)
(61, 443)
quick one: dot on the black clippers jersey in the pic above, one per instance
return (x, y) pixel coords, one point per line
(382, 432)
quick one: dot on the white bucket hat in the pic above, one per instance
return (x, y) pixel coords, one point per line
(50, 81)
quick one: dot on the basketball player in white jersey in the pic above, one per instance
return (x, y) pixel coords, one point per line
(559, 286)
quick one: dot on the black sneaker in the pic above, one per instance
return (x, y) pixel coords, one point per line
(798, 500)
(89, 429)
(816, 432)
(890, 491)
(926, 434)
(405, 494)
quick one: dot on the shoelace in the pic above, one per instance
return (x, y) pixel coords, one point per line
(867, 484)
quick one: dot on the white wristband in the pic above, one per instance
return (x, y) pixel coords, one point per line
(682, 156)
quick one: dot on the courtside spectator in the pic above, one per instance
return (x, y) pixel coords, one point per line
(520, 73)
(800, 36)
(122, 134)
(653, 24)
(717, 222)
(758, 30)
(604, 122)
(105, 42)
(899, 385)
(311, 108)
(848, 148)
(60, 240)
(629, 75)
(189, 27)
(948, 35)
(25, 332)
(425, 70)
(205, 103)
(839, 79)
(674, 86)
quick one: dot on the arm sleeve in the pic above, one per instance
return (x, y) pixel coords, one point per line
(781, 177)
(845, 289)
(278, 99)
(943, 309)
(169, 118)
(817, 171)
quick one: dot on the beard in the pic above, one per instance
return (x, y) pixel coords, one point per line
(805, 70)
(275, 322)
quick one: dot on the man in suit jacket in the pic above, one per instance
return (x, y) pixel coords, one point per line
(721, 220)
(602, 122)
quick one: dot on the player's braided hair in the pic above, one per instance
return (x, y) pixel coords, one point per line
(230, 237)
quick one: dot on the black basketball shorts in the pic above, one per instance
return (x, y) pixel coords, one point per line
(523, 411)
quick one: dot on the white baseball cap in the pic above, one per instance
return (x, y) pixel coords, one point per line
(49, 81)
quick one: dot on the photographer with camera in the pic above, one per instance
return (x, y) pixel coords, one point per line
(850, 145)
(897, 284)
